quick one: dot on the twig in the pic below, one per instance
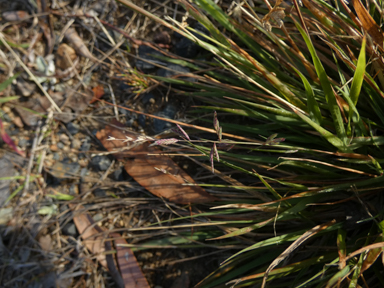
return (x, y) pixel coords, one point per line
(114, 102)
(34, 144)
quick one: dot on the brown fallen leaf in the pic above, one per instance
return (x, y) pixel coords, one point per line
(78, 43)
(146, 169)
(130, 274)
(65, 56)
(98, 92)
(93, 239)
(130, 270)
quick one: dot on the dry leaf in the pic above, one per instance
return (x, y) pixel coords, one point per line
(157, 173)
(65, 56)
(130, 270)
(368, 23)
(91, 234)
(98, 92)
(15, 15)
(130, 274)
(74, 38)
(45, 242)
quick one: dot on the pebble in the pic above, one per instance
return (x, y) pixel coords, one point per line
(141, 119)
(101, 163)
(119, 174)
(23, 143)
(60, 145)
(186, 48)
(73, 189)
(69, 229)
(76, 144)
(64, 170)
(54, 148)
(147, 98)
(56, 156)
(147, 53)
(160, 125)
(64, 139)
(83, 162)
(73, 128)
(98, 192)
(97, 217)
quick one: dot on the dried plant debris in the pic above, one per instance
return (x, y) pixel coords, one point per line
(65, 57)
(155, 172)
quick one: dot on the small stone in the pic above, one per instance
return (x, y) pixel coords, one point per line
(83, 163)
(101, 163)
(97, 217)
(64, 138)
(98, 192)
(84, 172)
(119, 174)
(56, 156)
(26, 88)
(147, 97)
(64, 170)
(141, 119)
(60, 145)
(69, 229)
(160, 125)
(148, 54)
(186, 48)
(84, 147)
(23, 143)
(54, 148)
(76, 144)
(73, 128)
(73, 190)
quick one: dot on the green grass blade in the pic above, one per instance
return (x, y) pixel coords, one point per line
(326, 85)
(7, 99)
(312, 105)
(358, 78)
(7, 82)
(339, 276)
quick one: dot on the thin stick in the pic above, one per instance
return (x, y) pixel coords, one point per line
(114, 102)
(30, 163)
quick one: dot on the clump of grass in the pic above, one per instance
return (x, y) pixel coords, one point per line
(313, 76)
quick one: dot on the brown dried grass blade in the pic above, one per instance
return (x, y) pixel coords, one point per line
(368, 23)
(294, 245)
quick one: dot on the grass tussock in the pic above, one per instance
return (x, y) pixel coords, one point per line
(301, 84)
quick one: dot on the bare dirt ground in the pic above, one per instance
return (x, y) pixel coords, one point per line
(66, 55)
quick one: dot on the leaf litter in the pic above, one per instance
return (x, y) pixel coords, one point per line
(61, 59)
